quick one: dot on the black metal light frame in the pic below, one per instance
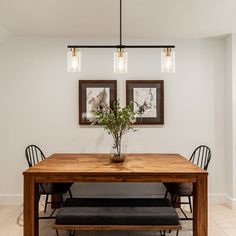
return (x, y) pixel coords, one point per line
(121, 43)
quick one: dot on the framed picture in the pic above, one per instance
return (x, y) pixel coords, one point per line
(94, 94)
(147, 97)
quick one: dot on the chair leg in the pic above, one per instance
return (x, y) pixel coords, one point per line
(190, 204)
(175, 203)
(186, 217)
(70, 193)
(61, 201)
(57, 232)
(175, 198)
(166, 194)
(51, 215)
(46, 203)
(177, 233)
(39, 198)
(61, 198)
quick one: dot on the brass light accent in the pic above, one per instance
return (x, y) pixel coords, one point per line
(120, 52)
(74, 52)
(168, 51)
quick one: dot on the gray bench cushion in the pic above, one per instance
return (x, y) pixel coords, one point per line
(117, 212)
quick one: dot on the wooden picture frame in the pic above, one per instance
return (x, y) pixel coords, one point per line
(148, 97)
(94, 93)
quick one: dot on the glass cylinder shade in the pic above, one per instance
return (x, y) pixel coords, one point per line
(168, 60)
(73, 60)
(120, 61)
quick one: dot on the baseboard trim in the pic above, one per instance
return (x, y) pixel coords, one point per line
(217, 199)
(231, 202)
(222, 199)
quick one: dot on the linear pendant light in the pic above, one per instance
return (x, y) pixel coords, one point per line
(120, 56)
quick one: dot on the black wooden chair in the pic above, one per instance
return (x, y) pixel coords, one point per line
(33, 156)
(201, 157)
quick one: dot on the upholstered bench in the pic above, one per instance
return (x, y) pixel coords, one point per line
(117, 214)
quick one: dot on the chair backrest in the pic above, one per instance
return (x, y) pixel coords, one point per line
(201, 156)
(33, 155)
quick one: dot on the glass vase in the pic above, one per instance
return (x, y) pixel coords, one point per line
(117, 155)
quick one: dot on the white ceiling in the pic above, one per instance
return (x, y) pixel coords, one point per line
(100, 18)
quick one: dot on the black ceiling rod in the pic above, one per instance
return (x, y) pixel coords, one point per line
(121, 40)
(126, 46)
(121, 24)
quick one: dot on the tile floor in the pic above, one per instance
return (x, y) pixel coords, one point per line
(222, 222)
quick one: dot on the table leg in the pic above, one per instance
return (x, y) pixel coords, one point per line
(30, 206)
(200, 205)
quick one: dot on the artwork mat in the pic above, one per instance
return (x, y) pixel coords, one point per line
(83, 84)
(91, 93)
(140, 96)
(159, 86)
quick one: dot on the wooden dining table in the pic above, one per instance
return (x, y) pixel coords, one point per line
(145, 168)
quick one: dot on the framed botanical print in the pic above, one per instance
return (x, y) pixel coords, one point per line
(93, 95)
(147, 98)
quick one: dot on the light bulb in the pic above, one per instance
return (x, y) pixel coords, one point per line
(120, 61)
(73, 60)
(168, 60)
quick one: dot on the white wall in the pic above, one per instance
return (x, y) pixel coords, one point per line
(230, 114)
(4, 35)
(39, 105)
(234, 115)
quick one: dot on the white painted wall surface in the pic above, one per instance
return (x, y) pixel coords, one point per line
(231, 133)
(39, 105)
(234, 115)
(228, 115)
(4, 35)
(230, 119)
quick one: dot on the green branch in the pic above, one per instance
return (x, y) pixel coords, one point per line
(117, 121)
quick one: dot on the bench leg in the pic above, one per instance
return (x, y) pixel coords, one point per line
(46, 203)
(166, 194)
(190, 204)
(70, 193)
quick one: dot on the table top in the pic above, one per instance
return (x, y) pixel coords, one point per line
(100, 164)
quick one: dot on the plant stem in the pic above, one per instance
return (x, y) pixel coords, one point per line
(118, 145)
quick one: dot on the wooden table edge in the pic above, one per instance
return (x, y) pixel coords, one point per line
(28, 172)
